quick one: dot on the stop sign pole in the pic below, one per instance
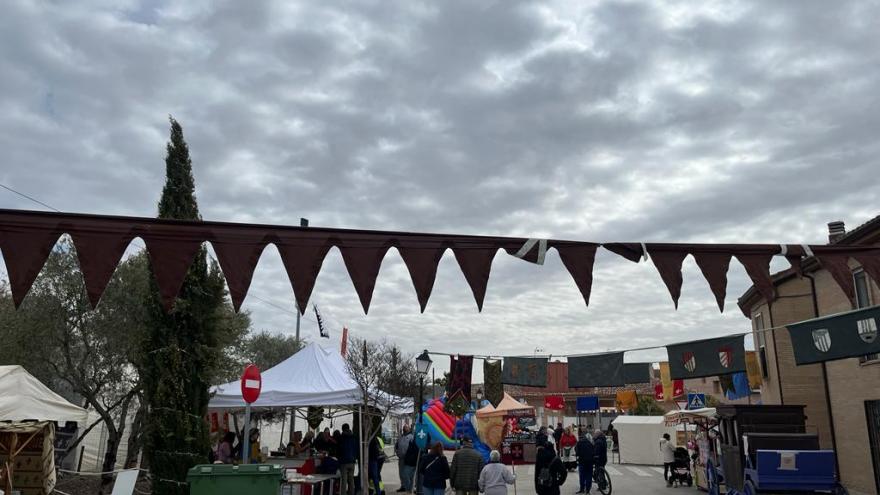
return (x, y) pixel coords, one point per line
(251, 384)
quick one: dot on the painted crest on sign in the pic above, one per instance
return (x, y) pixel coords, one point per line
(822, 339)
(725, 355)
(868, 330)
(689, 362)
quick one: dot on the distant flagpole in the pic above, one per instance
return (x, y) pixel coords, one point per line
(321, 329)
(344, 344)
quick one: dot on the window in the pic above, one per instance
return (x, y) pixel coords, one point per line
(761, 343)
(863, 300)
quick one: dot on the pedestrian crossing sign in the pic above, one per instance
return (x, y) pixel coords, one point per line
(696, 401)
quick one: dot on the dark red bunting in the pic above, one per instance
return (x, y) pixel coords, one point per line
(27, 238)
(99, 254)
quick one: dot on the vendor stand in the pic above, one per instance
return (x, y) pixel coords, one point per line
(518, 440)
(700, 444)
(314, 376)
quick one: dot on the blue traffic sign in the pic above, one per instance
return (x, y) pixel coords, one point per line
(696, 401)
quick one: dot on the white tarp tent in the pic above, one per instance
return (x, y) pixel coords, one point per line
(314, 376)
(23, 397)
(639, 438)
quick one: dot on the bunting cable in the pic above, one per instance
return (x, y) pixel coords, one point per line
(26, 238)
(635, 349)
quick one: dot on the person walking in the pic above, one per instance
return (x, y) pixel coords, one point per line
(550, 474)
(348, 456)
(585, 453)
(541, 437)
(668, 451)
(434, 471)
(567, 443)
(464, 475)
(401, 447)
(375, 460)
(495, 476)
(600, 449)
(557, 437)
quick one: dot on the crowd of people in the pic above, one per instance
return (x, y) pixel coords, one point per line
(466, 474)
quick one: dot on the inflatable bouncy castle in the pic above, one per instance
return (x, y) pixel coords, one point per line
(443, 427)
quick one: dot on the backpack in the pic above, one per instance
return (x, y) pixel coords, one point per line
(545, 477)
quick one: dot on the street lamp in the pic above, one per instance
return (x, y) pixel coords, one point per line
(423, 364)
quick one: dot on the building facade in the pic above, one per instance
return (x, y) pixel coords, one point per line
(842, 398)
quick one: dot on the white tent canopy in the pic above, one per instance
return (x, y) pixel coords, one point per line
(314, 376)
(639, 438)
(23, 397)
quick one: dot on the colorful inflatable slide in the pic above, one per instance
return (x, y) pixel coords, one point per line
(443, 427)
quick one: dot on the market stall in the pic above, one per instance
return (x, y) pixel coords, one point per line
(701, 420)
(27, 457)
(639, 438)
(518, 437)
(314, 376)
(24, 398)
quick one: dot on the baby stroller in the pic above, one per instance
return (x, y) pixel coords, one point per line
(681, 468)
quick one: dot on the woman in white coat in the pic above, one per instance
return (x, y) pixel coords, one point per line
(495, 476)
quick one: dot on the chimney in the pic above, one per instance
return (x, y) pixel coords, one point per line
(836, 230)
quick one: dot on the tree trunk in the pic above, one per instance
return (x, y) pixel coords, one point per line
(135, 438)
(114, 435)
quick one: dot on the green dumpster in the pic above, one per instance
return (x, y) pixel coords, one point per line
(226, 479)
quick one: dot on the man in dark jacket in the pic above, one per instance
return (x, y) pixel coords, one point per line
(557, 436)
(464, 475)
(541, 437)
(585, 453)
(348, 456)
(550, 473)
(600, 448)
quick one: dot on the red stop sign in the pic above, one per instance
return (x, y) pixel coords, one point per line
(251, 383)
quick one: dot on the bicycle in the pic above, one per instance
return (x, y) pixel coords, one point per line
(602, 480)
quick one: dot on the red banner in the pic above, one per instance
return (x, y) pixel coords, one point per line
(554, 402)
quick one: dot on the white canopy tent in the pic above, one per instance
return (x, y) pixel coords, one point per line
(639, 438)
(314, 376)
(23, 397)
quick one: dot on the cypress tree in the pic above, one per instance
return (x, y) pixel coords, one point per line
(181, 348)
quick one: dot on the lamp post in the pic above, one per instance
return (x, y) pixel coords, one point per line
(423, 364)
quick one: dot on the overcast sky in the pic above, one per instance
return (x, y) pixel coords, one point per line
(630, 121)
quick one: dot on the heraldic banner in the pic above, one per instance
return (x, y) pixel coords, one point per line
(634, 373)
(601, 370)
(527, 372)
(839, 336)
(710, 357)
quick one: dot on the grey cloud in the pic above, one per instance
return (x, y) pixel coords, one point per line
(608, 121)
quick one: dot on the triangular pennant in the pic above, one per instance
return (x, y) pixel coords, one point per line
(630, 250)
(25, 252)
(578, 260)
(238, 256)
(758, 268)
(99, 254)
(303, 259)
(837, 265)
(714, 267)
(170, 258)
(422, 265)
(475, 264)
(870, 261)
(363, 265)
(668, 263)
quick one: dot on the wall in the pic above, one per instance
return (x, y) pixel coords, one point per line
(802, 385)
(856, 467)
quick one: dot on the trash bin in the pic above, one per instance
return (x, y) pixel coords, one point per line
(226, 479)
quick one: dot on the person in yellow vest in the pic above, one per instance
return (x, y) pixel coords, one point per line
(256, 456)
